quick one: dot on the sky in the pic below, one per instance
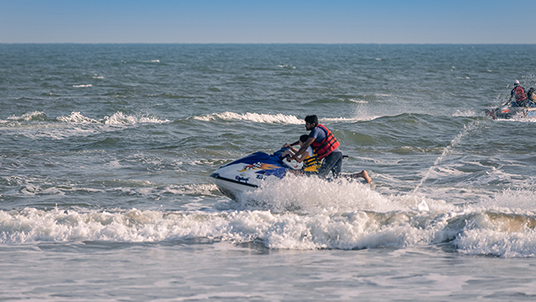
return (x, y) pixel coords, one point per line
(269, 21)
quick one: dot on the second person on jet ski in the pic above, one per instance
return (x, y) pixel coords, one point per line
(531, 96)
(310, 160)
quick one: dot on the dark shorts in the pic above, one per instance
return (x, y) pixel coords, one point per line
(333, 163)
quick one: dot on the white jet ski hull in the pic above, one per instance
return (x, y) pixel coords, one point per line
(249, 172)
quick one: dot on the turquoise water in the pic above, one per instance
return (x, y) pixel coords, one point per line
(106, 152)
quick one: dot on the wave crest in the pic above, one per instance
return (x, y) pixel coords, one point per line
(32, 116)
(253, 117)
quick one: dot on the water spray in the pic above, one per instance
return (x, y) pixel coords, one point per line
(467, 129)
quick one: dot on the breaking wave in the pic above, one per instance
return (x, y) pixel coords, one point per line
(38, 124)
(273, 118)
(253, 117)
(287, 215)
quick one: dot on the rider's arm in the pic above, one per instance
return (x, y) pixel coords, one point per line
(287, 145)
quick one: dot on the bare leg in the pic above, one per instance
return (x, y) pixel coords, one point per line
(362, 174)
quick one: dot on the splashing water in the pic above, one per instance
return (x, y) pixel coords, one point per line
(467, 129)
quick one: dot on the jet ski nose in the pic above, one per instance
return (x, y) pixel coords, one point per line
(491, 112)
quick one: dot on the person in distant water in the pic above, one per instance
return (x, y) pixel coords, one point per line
(310, 160)
(326, 146)
(531, 96)
(519, 92)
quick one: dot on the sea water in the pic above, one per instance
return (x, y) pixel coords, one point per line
(106, 152)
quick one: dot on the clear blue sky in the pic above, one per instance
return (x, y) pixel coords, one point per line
(268, 21)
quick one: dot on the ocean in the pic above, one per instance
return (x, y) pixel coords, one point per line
(106, 152)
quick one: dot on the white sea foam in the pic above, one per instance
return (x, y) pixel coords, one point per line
(313, 194)
(192, 189)
(348, 120)
(75, 124)
(83, 86)
(498, 243)
(286, 66)
(356, 229)
(275, 118)
(119, 118)
(510, 200)
(358, 101)
(32, 116)
(253, 117)
(465, 113)
(346, 195)
(76, 117)
(343, 215)
(116, 119)
(499, 234)
(518, 119)
(130, 187)
(502, 225)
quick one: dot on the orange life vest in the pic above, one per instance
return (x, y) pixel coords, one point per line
(519, 93)
(328, 145)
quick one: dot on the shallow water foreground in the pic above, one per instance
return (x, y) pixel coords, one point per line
(195, 271)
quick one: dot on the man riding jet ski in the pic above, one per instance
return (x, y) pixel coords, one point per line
(248, 173)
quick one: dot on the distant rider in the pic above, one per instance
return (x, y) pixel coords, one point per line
(519, 92)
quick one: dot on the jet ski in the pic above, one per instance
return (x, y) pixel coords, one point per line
(507, 111)
(247, 173)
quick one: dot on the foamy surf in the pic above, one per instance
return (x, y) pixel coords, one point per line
(298, 214)
(37, 124)
(312, 195)
(349, 230)
(252, 117)
(274, 118)
(118, 118)
(77, 118)
(31, 116)
(481, 233)
(348, 120)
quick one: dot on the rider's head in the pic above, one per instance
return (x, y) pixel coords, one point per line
(516, 83)
(311, 121)
(304, 138)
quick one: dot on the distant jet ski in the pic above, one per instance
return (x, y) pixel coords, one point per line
(508, 111)
(247, 173)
